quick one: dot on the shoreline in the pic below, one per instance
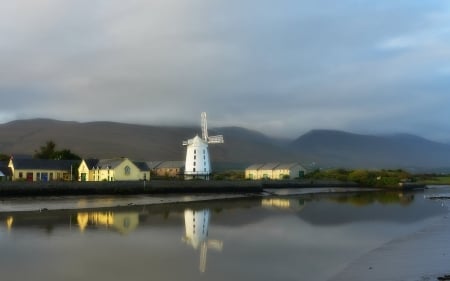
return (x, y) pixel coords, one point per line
(19, 189)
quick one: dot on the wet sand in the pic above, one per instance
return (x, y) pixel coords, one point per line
(423, 255)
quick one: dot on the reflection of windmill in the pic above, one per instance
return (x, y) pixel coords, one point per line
(196, 223)
(198, 164)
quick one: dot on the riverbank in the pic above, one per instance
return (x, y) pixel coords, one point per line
(420, 255)
(155, 187)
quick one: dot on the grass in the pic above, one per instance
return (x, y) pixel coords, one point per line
(437, 180)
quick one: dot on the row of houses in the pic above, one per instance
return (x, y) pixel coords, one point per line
(124, 169)
(275, 171)
(115, 169)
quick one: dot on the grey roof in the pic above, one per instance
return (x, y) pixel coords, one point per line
(91, 163)
(171, 164)
(273, 166)
(255, 166)
(153, 164)
(141, 166)
(287, 165)
(44, 164)
(269, 166)
(109, 163)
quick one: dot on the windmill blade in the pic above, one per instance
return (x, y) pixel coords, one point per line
(215, 139)
(204, 127)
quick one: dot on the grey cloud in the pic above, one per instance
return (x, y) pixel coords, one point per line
(282, 67)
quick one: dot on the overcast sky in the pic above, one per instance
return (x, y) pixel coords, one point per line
(280, 67)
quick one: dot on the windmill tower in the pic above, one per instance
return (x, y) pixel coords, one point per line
(198, 164)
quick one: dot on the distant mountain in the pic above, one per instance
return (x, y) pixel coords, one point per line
(341, 149)
(325, 148)
(140, 142)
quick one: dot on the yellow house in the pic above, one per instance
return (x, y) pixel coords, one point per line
(30, 169)
(288, 171)
(275, 171)
(116, 169)
(266, 171)
(252, 171)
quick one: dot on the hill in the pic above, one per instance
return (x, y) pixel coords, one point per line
(325, 148)
(140, 142)
(342, 149)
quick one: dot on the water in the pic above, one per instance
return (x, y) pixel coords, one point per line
(296, 237)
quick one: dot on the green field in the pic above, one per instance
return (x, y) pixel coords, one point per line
(438, 180)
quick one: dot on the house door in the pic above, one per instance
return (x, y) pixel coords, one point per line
(83, 176)
(29, 176)
(44, 177)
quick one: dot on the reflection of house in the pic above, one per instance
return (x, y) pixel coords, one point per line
(284, 204)
(170, 169)
(121, 222)
(117, 169)
(196, 224)
(31, 169)
(275, 171)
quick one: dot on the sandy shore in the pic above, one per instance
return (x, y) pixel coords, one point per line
(421, 256)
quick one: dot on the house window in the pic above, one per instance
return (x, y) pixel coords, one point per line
(127, 170)
(20, 175)
(195, 151)
(195, 157)
(194, 163)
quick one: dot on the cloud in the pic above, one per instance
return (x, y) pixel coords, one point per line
(282, 68)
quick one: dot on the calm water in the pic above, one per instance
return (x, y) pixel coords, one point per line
(307, 237)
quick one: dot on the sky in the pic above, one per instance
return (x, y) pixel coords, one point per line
(280, 67)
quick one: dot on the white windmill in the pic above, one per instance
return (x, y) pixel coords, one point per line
(197, 163)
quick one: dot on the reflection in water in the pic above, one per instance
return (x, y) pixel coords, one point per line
(196, 224)
(124, 223)
(366, 198)
(9, 222)
(278, 203)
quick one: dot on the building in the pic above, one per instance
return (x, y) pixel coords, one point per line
(198, 164)
(116, 169)
(5, 171)
(170, 169)
(275, 171)
(252, 171)
(30, 169)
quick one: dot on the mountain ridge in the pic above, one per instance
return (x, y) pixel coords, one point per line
(317, 148)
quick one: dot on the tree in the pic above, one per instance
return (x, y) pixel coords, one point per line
(48, 152)
(65, 154)
(4, 157)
